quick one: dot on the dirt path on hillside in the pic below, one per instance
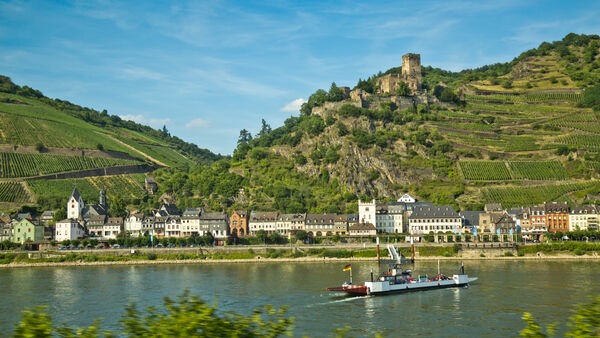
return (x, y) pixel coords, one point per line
(137, 151)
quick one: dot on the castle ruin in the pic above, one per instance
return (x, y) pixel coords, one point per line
(411, 75)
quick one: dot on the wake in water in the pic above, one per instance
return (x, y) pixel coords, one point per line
(338, 299)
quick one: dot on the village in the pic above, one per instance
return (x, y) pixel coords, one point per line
(406, 217)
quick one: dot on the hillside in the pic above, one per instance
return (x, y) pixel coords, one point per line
(42, 138)
(517, 133)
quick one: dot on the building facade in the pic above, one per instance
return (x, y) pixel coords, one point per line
(68, 229)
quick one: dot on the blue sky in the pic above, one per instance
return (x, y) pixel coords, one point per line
(207, 69)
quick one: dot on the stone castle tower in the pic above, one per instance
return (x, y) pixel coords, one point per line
(411, 75)
(411, 71)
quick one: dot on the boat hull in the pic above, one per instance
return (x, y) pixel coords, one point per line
(384, 288)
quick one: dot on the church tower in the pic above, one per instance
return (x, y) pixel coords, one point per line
(102, 199)
(74, 205)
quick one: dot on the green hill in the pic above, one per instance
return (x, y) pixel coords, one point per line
(521, 132)
(40, 136)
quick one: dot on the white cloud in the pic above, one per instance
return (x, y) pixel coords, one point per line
(197, 123)
(293, 106)
(141, 73)
(152, 122)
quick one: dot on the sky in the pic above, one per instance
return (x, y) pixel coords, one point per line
(207, 69)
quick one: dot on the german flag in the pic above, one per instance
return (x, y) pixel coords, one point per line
(347, 267)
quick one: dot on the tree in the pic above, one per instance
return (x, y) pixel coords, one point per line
(66, 242)
(165, 132)
(335, 94)
(301, 235)
(342, 129)
(591, 98)
(448, 95)
(99, 146)
(262, 236)
(75, 242)
(117, 207)
(245, 137)
(185, 316)
(265, 128)
(403, 89)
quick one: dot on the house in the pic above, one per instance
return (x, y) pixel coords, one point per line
(340, 225)
(215, 223)
(470, 220)
(24, 231)
(173, 226)
(557, 216)
(436, 219)
(493, 207)
(150, 185)
(190, 222)
(352, 219)
(288, 223)
(68, 229)
(362, 229)
(170, 209)
(133, 224)
(318, 225)
(406, 198)
(263, 220)
(583, 218)
(24, 215)
(5, 231)
(503, 224)
(238, 223)
(95, 225)
(100, 209)
(47, 217)
(112, 228)
(159, 226)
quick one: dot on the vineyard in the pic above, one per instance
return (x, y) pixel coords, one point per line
(525, 196)
(572, 98)
(13, 192)
(581, 141)
(127, 186)
(484, 170)
(538, 170)
(517, 170)
(26, 165)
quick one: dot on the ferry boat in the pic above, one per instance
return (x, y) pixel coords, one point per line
(396, 280)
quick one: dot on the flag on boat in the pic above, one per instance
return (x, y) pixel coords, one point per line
(348, 267)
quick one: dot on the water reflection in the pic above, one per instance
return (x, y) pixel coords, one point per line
(493, 305)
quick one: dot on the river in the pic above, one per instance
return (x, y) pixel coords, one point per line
(491, 306)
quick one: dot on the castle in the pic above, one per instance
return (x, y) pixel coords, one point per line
(411, 75)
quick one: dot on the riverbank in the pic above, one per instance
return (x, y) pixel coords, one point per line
(553, 257)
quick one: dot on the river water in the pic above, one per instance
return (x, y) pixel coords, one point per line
(491, 306)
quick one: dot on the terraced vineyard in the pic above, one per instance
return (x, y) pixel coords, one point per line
(13, 192)
(484, 170)
(524, 196)
(517, 170)
(538, 170)
(26, 165)
(581, 141)
(119, 185)
(530, 98)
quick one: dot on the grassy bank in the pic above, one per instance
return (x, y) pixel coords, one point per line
(567, 250)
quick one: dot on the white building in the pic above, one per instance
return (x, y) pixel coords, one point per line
(112, 228)
(75, 205)
(367, 212)
(68, 229)
(133, 224)
(436, 219)
(173, 227)
(406, 198)
(260, 220)
(583, 218)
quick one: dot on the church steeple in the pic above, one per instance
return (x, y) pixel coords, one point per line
(102, 199)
